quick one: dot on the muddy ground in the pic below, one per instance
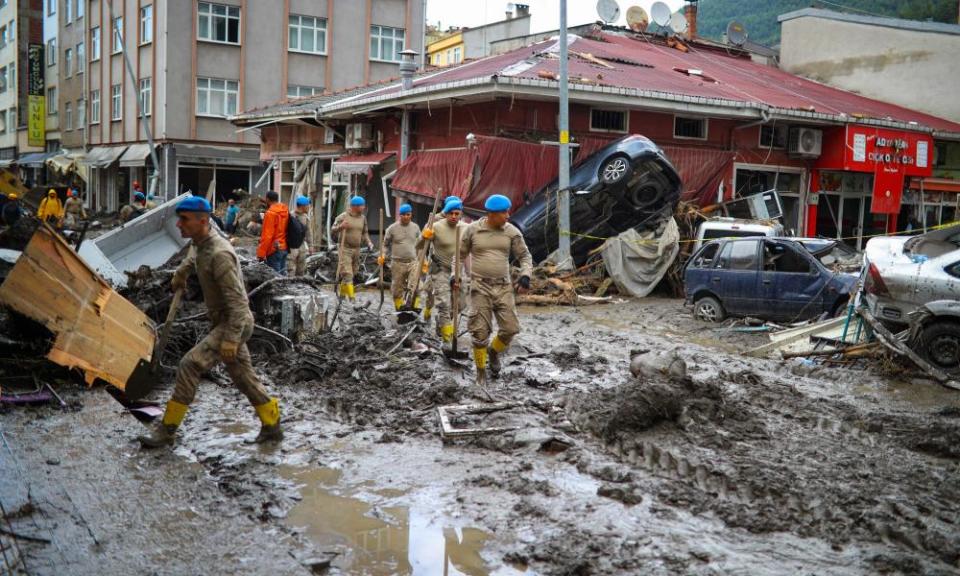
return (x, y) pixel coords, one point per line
(718, 464)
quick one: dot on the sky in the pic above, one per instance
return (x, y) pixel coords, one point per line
(544, 14)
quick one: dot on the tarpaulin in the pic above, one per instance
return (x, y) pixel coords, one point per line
(701, 171)
(637, 262)
(513, 168)
(426, 171)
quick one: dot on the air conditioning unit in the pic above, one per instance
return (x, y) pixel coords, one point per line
(805, 142)
(359, 136)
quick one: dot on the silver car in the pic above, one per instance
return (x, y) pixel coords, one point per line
(905, 272)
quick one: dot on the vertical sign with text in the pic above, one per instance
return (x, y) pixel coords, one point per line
(36, 101)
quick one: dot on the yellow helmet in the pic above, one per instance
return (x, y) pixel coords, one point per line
(12, 196)
(52, 193)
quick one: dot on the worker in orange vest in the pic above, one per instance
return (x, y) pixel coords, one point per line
(273, 237)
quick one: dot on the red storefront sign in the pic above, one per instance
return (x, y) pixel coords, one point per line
(890, 155)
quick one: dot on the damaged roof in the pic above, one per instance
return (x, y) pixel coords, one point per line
(641, 71)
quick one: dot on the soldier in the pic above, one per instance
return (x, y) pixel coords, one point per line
(151, 202)
(352, 223)
(221, 281)
(492, 242)
(298, 256)
(73, 209)
(444, 236)
(400, 244)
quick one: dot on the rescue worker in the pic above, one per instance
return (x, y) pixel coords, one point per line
(135, 208)
(137, 187)
(73, 209)
(273, 236)
(352, 223)
(400, 245)
(11, 210)
(51, 211)
(491, 242)
(298, 256)
(444, 234)
(151, 203)
(217, 267)
(230, 221)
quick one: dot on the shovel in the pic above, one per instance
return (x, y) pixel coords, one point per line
(408, 312)
(343, 236)
(380, 307)
(143, 378)
(453, 353)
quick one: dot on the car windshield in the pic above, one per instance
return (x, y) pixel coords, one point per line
(713, 234)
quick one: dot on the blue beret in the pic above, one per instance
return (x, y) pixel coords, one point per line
(497, 203)
(149, 196)
(193, 204)
(406, 209)
(358, 201)
(139, 196)
(303, 201)
(452, 203)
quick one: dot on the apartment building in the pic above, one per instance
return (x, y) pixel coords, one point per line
(51, 69)
(192, 64)
(71, 79)
(21, 49)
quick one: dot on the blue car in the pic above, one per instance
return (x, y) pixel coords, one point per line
(769, 278)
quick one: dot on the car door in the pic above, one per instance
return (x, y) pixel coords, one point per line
(792, 282)
(737, 275)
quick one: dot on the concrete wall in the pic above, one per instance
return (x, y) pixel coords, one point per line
(8, 55)
(477, 41)
(72, 89)
(51, 79)
(909, 67)
(511, 43)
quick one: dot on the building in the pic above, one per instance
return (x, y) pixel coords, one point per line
(51, 13)
(21, 49)
(472, 43)
(731, 126)
(72, 82)
(191, 65)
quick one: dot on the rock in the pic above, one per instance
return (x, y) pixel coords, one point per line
(651, 364)
(629, 494)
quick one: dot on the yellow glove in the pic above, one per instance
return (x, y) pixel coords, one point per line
(427, 233)
(381, 260)
(228, 350)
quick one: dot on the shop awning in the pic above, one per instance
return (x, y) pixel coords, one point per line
(935, 184)
(34, 159)
(102, 156)
(359, 164)
(220, 155)
(135, 156)
(6, 163)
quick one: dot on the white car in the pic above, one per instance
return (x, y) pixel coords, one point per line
(905, 272)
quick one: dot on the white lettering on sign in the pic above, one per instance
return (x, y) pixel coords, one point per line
(922, 152)
(859, 147)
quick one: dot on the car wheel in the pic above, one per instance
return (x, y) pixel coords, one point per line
(709, 309)
(940, 345)
(615, 170)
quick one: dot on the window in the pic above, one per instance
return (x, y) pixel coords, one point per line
(3, 113)
(117, 44)
(4, 82)
(80, 6)
(302, 91)
(81, 58)
(3, 37)
(146, 95)
(218, 23)
(739, 255)
(773, 136)
(116, 102)
(307, 34)
(68, 62)
(12, 30)
(689, 128)
(12, 119)
(12, 75)
(52, 52)
(51, 7)
(216, 97)
(386, 43)
(706, 257)
(782, 258)
(67, 112)
(67, 16)
(146, 24)
(608, 120)
(94, 106)
(81, 112)
(52, 101)
(457, 55)
(94, 43)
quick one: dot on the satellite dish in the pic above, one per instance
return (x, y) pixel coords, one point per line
(678, 22)
(660, 13)
(608, 10)
(736, 33)
(637, 19)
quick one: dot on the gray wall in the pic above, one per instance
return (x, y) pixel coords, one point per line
(909, 67)
(71, 89)
(477, 40)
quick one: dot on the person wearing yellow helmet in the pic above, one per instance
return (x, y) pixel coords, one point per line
(51, 210)
(11, 211)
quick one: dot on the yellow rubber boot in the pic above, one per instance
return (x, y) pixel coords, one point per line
(344, 292)
(427, 312)
(480, 358)
(351, 292)
(497, 347)
(416, 302)
(446, 333)
(269, 414)
(165, 432)
(397, 303)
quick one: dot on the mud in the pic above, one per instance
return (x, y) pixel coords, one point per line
(732, 465)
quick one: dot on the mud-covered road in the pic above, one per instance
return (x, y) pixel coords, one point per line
(723, 465)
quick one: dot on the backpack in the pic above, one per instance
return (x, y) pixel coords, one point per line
(296, 232)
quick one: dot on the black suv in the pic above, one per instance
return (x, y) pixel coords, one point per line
(627, 184)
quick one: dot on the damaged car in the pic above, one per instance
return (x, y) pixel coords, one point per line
(770, 278)
(935, 334)
(627, 184)
(905, 272)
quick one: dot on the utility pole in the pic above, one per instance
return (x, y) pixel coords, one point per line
(564, 261)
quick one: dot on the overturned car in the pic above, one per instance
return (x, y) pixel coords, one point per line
(629, 183)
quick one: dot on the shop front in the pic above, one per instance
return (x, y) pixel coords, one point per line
(858, 184)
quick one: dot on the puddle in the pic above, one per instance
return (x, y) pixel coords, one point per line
(383, 536)
(925, 394)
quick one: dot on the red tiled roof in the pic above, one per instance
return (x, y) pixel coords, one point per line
(646, 63)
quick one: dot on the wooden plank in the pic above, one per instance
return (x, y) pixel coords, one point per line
(95, 329)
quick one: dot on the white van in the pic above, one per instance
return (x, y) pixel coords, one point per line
(734, 228)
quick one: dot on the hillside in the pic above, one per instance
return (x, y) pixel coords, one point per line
(760, 16)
